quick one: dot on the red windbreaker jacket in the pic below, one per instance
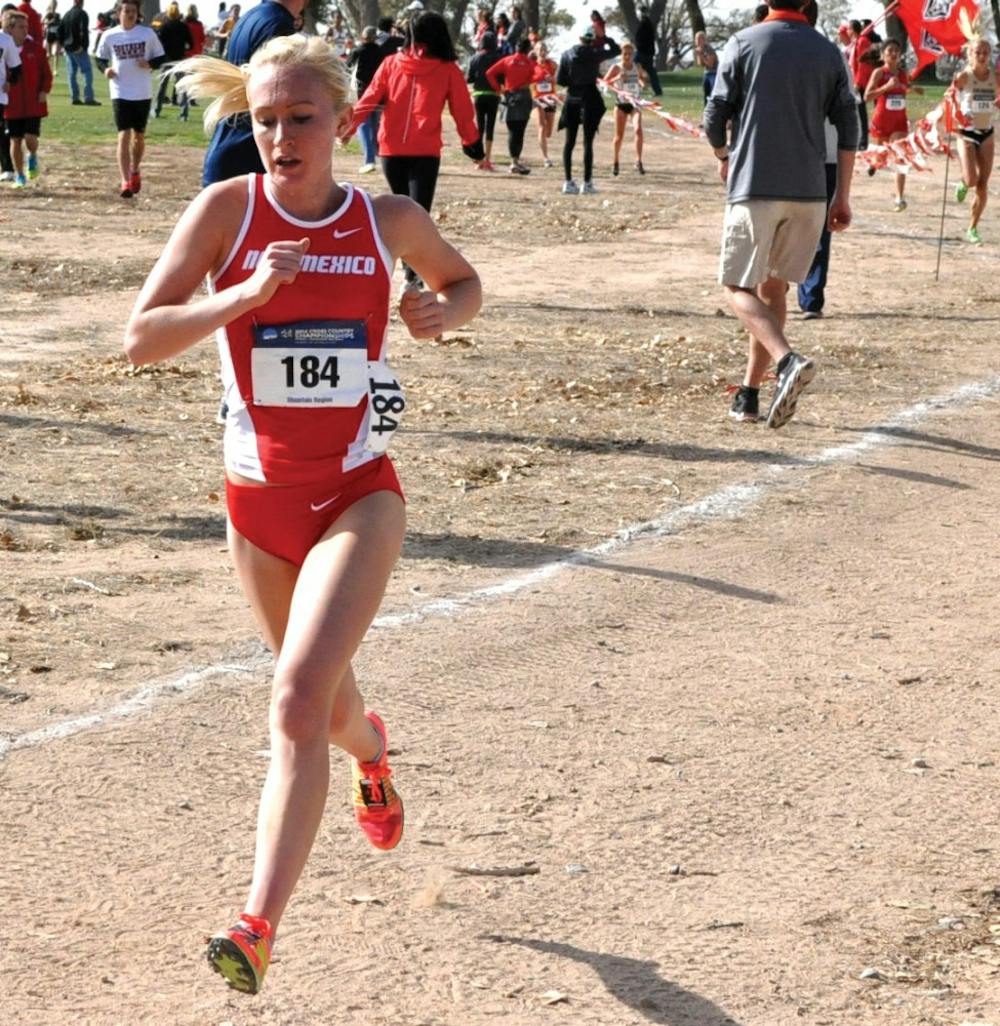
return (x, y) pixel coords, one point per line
(518, 71)
(414, 89)
(36, 77)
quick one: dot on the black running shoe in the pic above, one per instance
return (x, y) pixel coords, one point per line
(794, 374)
(745, 404)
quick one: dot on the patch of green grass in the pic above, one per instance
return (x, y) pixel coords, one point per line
(78, 126)
(82, 125)
(682, 95)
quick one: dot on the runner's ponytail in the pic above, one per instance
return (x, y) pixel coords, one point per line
(204, 77)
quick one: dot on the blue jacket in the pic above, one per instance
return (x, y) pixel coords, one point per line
(232, 151)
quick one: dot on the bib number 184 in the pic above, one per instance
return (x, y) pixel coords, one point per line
(386, 403)
(310, 371)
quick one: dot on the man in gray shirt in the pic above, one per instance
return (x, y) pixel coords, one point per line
(777, 83)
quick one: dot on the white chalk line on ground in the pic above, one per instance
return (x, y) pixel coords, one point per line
(727, 503)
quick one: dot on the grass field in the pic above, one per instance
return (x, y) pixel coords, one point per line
(78, 126)
(85, 125)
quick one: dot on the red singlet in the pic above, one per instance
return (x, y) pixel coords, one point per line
(890, 108)
(282, 363)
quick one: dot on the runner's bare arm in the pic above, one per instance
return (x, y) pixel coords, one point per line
(872, 90)
(455, 293)
(164, 322)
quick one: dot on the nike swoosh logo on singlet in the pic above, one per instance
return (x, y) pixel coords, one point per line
(317, 506)
(337, 234)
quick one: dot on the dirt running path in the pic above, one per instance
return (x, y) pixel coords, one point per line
(752, 758)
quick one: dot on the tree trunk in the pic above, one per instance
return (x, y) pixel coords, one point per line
(532, 14)
(895, 29)
(695, 16)
(630, 14)
(150, 9)
(371, 13)
(455, 17)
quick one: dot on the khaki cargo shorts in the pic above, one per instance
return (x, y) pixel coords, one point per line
(765, 238)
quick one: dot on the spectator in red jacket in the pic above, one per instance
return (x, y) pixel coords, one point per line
(863, 62)
(26, 98)
(512, 76)
(413, 86)
(197, 30)
(35, 27)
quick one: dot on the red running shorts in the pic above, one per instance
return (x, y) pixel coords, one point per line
(287, 521)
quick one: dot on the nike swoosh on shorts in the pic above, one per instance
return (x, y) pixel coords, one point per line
(317, 506)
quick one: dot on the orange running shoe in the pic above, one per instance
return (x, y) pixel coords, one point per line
(135, 182)
(242, 954)
(377, 807)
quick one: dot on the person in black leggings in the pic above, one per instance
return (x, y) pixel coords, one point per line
(415, 177)
(513, 76)
(484, 96)
(579, 69)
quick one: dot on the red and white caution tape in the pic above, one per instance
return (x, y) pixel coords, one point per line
(673, 121)
(929, 137)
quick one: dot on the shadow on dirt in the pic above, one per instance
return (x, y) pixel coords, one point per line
(525, 555)
(635, 983)
(85, 522)
(917, 477)
(630, 310)
(24, 512)
(13, 420)
(917, 315)
(923, 440)
(190, 528)
(681, 453)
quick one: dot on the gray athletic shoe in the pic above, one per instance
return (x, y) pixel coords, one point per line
(794, 374)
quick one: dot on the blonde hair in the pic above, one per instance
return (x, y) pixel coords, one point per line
(974, 39)
(9, 17)
(207, 77)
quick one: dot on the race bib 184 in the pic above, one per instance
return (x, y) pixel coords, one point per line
(310, 363)
(386, 403)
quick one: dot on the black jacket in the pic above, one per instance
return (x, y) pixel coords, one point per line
(74, 30)
(645, 36)
(478, 66)
(580, 66)
(176, 38)
(367, 57)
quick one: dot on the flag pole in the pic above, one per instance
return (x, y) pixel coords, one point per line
(889, 9)
(944, 203)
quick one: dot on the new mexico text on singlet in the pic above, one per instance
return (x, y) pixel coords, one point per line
(310, 395)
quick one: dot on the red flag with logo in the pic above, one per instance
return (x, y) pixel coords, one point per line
(935, 27)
